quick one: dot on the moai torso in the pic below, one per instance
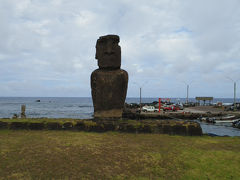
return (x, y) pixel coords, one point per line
(109, 82)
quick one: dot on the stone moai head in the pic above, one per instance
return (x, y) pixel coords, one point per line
(108, 52)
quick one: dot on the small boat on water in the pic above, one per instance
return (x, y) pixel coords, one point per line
(221, 119)
(227, 121)
(236, 124)
(228, 117)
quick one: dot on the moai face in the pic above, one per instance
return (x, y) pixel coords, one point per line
(108, 52)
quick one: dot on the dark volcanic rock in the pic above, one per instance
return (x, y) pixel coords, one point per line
(67, 125)
(3, 125)
(108, 52)
(36, 126)
(53, 126)
(18, 125)
(109, 90)
(194, 129)
(109, 82)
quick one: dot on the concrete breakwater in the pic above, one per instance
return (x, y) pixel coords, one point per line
(171, 127)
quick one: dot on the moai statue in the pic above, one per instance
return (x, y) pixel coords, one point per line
(109, 82)
(23, 109)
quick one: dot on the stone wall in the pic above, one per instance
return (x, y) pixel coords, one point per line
(172, 127)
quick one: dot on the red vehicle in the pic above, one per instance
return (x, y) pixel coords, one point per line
(170, 108)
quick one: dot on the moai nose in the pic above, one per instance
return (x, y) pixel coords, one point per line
(109, 49)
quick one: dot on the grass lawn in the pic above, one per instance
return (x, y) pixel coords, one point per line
(86, 155)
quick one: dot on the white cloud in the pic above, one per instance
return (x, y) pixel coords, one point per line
(50, 45)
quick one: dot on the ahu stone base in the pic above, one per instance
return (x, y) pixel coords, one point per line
(171, 127)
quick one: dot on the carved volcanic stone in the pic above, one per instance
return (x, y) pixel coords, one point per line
(109, 82)
(108, 52)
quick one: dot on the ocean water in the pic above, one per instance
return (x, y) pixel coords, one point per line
(64, 107)
(82, 108)
(220, 129)
(51, 107)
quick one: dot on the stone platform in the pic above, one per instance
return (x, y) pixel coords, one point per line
(171, 127)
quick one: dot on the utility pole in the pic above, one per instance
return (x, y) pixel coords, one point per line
(188, 84)
(140, 92)
(234, 91)
(140, 103)
(234, 101)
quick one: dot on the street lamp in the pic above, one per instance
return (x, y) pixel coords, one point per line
(140, 93)
(234, 90)
(187, 90)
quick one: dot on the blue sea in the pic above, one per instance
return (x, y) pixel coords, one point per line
(64, 107)
(82, 108)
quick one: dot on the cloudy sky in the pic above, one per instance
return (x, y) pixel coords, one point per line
(47, 47)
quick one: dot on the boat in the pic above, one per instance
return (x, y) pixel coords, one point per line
(221, 119)
(227, 121)
(236, 124)
(228, 117)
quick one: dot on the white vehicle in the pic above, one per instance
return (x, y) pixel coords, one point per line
(149, 109)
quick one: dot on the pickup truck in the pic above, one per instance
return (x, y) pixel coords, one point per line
(149, 109)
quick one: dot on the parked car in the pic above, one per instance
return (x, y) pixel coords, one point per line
(179, 106)
(149, 109)
(170, 108)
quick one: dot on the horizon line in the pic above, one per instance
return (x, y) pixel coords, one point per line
(126, 97)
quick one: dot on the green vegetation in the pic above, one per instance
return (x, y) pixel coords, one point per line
(46, 154)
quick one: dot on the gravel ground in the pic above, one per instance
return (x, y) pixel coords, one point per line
(204, 109)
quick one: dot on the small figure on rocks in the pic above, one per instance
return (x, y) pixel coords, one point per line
(15, 116)
(23, 109)
(109, 82)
